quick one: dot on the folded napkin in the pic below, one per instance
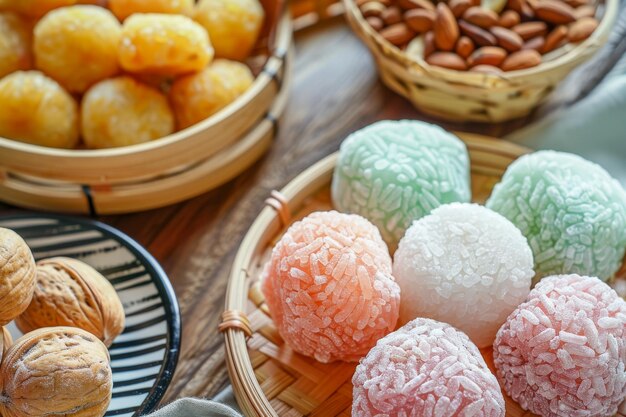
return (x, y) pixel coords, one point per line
(594, 127)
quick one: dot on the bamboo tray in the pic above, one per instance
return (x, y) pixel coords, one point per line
(36, 193)
(163, 171)
(268, 378)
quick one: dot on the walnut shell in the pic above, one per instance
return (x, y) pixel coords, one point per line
(56, 371)
(6, 340)
(17, 275)
(71, 293)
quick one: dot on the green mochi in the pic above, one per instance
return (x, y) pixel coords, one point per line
(394, 172)
(572, 212)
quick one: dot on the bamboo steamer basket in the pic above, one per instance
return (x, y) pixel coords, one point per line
(269, 379)
(466, 96)
(165, 170)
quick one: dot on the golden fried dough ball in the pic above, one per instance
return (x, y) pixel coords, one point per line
(77, 46)
(36, 109)
(122, 111)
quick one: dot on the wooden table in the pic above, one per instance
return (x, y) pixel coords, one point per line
(335, 91)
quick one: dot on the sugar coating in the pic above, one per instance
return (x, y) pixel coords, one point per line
(563, 352)
(36, 109)
(233, 25)
(124, 8)
(122, 111)
(329, 287)
(77, 46)
(465, 265)
(571, 211)
(425, 368)
(163, 44)
(15, 44)
(393, 172)
(198, 96)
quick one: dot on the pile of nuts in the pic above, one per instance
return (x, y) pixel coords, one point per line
(489, 37)
(69, 314)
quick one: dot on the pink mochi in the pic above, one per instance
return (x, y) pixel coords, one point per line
(562, 353)
(425, 368)
(329, 287)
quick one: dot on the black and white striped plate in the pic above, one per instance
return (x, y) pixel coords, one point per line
(144, 356)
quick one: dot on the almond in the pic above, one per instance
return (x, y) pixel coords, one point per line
(415, 48)
(585, 11)
(508, 19)
(445, 28)
(582, 29)
(479, 36)
(429, 43)
(385, 3)
(480, 17)
(522, 8)
(391, 15)
(376, 23)
(416, 4)
(554, 39)
(507, 39)
(516, 5)
(448, 60)
(493, 5)
(486, 69)
(535, 43)
(360, 3)
(527, 13)
(487, 55)
(521, 60)
(397, 34)
(529, 30)
(372, 8)
(577, 3)
(419, 20)
(464, 47)
(458, 7)
(555, 11)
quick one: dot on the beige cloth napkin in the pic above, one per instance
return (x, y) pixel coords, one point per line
(223, 405)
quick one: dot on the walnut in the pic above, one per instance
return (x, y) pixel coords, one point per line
(56, 371)
(17, 275)
(71, 293)
(6, 340)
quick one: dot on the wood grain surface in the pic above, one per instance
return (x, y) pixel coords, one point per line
(335, 91)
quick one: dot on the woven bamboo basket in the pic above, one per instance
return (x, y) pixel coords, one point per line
(270, 379)
(166, 170)
(466, 96)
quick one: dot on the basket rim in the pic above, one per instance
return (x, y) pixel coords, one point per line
(266, 225)
(123, 197)
(261, 82)
(578, 52)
